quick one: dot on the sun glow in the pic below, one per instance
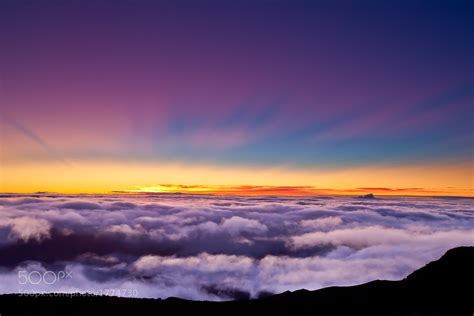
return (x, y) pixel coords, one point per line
(108, 177)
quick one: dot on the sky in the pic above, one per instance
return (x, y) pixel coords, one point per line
(237, 97)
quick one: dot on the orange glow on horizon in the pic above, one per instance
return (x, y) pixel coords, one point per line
(248, 190)
(110, 176)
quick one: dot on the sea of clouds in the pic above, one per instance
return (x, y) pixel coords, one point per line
(219, 248)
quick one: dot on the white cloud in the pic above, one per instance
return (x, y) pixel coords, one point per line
(27, 228)
(323, 222)
(236, 225)
(185, 245)
(203, 262)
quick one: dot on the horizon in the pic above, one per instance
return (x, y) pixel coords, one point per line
(255, 191)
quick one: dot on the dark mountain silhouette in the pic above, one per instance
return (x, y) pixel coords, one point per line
(367, 196)
(443, 287)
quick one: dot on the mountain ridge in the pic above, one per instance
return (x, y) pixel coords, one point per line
(439, 288)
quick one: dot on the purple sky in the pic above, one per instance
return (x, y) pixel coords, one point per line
(261, 83)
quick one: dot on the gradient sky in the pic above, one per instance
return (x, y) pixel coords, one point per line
(350, 96)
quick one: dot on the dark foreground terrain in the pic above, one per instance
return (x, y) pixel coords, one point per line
(443, 287)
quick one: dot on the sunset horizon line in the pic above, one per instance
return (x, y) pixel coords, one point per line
(265, 190)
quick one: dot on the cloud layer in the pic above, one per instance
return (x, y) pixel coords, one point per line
(219, 248)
